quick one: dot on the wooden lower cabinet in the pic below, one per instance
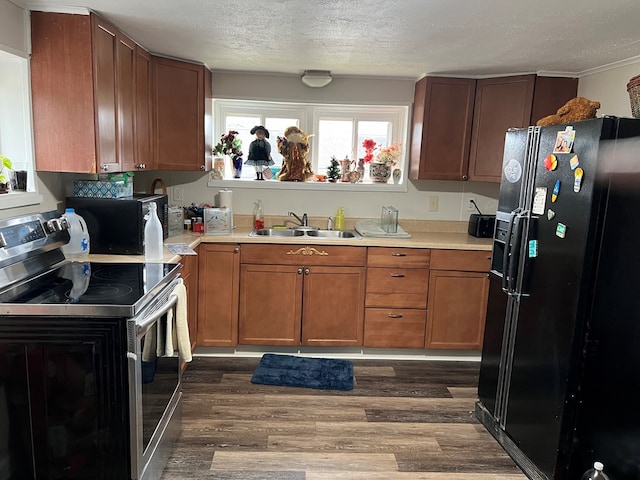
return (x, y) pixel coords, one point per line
(396, 298)
(457, 302)
(189, 275)
(218, 284)
(291, 295)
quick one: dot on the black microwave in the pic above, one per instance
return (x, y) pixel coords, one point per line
(116, 225)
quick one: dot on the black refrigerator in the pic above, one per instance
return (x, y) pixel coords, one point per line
(559, 384)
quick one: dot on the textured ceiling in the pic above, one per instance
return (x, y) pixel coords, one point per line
(384, 38)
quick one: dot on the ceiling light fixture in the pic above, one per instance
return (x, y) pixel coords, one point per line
(316, 78)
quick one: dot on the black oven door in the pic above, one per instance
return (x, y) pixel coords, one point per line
(154, 393)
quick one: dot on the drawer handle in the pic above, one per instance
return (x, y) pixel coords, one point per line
(397, 275)
(394, 315)
(398, 254)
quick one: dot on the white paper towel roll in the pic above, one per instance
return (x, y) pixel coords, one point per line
(225, 200)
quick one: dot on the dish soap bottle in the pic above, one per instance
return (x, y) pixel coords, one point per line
(258, 217)
(152, 235)
(595, 473)
(339, 220)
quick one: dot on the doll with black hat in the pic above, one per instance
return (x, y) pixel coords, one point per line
(259, 151)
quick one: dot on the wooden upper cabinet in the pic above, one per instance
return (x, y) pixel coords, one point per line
(143, 158)
(459, 124)
(83, 94)
(442, 119)
(182, 108)
(501, 103)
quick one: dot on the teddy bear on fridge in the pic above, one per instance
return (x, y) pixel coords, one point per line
(575, 110)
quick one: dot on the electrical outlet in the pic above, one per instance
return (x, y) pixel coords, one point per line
(433, 203)
(178, 193)
(470, 206)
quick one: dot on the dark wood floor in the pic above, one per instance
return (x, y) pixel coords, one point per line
(404, 420)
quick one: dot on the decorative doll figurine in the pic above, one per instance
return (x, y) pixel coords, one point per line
(294, 147)
(259, 151)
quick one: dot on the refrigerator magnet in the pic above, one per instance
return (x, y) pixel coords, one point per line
(550, 214)
(564, 141)
(577, 181)
(561, 230)
(533, 248)
(574, 162)
(550, 162)
(539, 201)
(556, 191)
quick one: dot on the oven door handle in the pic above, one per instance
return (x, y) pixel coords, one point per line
(151, 319)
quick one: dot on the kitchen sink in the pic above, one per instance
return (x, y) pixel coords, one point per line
(274, 232)
(306, 233)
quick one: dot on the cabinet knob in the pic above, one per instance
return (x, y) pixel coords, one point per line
(236, 250)
(397, 275)
(203, 167)
(306, 271)
(299, 271)
(105, 168)
(141, 166)
(464, 177)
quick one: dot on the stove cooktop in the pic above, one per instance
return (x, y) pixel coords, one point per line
(89, 288)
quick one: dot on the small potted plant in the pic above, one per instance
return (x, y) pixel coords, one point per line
(384, 161)
(229, 144)
(5, 182)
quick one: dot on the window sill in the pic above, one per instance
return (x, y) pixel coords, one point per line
(19, 199)
(313, 186)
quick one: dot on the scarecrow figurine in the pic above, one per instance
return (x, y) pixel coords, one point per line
(259, 151)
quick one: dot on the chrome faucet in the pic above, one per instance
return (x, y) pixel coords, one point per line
(303, 221)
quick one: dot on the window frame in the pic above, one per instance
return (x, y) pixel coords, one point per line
(21, 130)
(309, 115)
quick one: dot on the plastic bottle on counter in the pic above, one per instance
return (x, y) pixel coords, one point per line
(338, 222)
(153, 235)
(79, 242)
(595, 473)
(258, 216)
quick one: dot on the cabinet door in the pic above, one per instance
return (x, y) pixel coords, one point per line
(62, 93)
(441, 130)
(190, 278)
(333, 312)
(179, 114)
(270, 304)
(105, 48)
(143, 158)
(218, 284)
(126, 98)
(457, 307)
(501, 103)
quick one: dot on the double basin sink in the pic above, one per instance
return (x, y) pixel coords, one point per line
(305, 233)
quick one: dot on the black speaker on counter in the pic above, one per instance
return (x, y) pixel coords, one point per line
(481, 225)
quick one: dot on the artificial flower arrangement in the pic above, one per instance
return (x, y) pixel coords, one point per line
(369, 146)
(229, 144)
(389, 155)
(5, 165)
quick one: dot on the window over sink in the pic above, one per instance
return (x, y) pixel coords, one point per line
(336, 131)
(16, 138)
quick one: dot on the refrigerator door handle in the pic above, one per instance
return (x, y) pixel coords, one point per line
(514, 259)
(506, 260)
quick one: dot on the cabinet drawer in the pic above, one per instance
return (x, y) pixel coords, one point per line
(397, 287)
(398, 257)
(300, 254)
(462, 260)
(394, 328)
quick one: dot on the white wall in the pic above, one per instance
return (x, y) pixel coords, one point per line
(609, 87)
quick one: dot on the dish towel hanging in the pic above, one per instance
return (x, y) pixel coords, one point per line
(177, 334)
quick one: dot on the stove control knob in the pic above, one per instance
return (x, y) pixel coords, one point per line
(56, 225)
